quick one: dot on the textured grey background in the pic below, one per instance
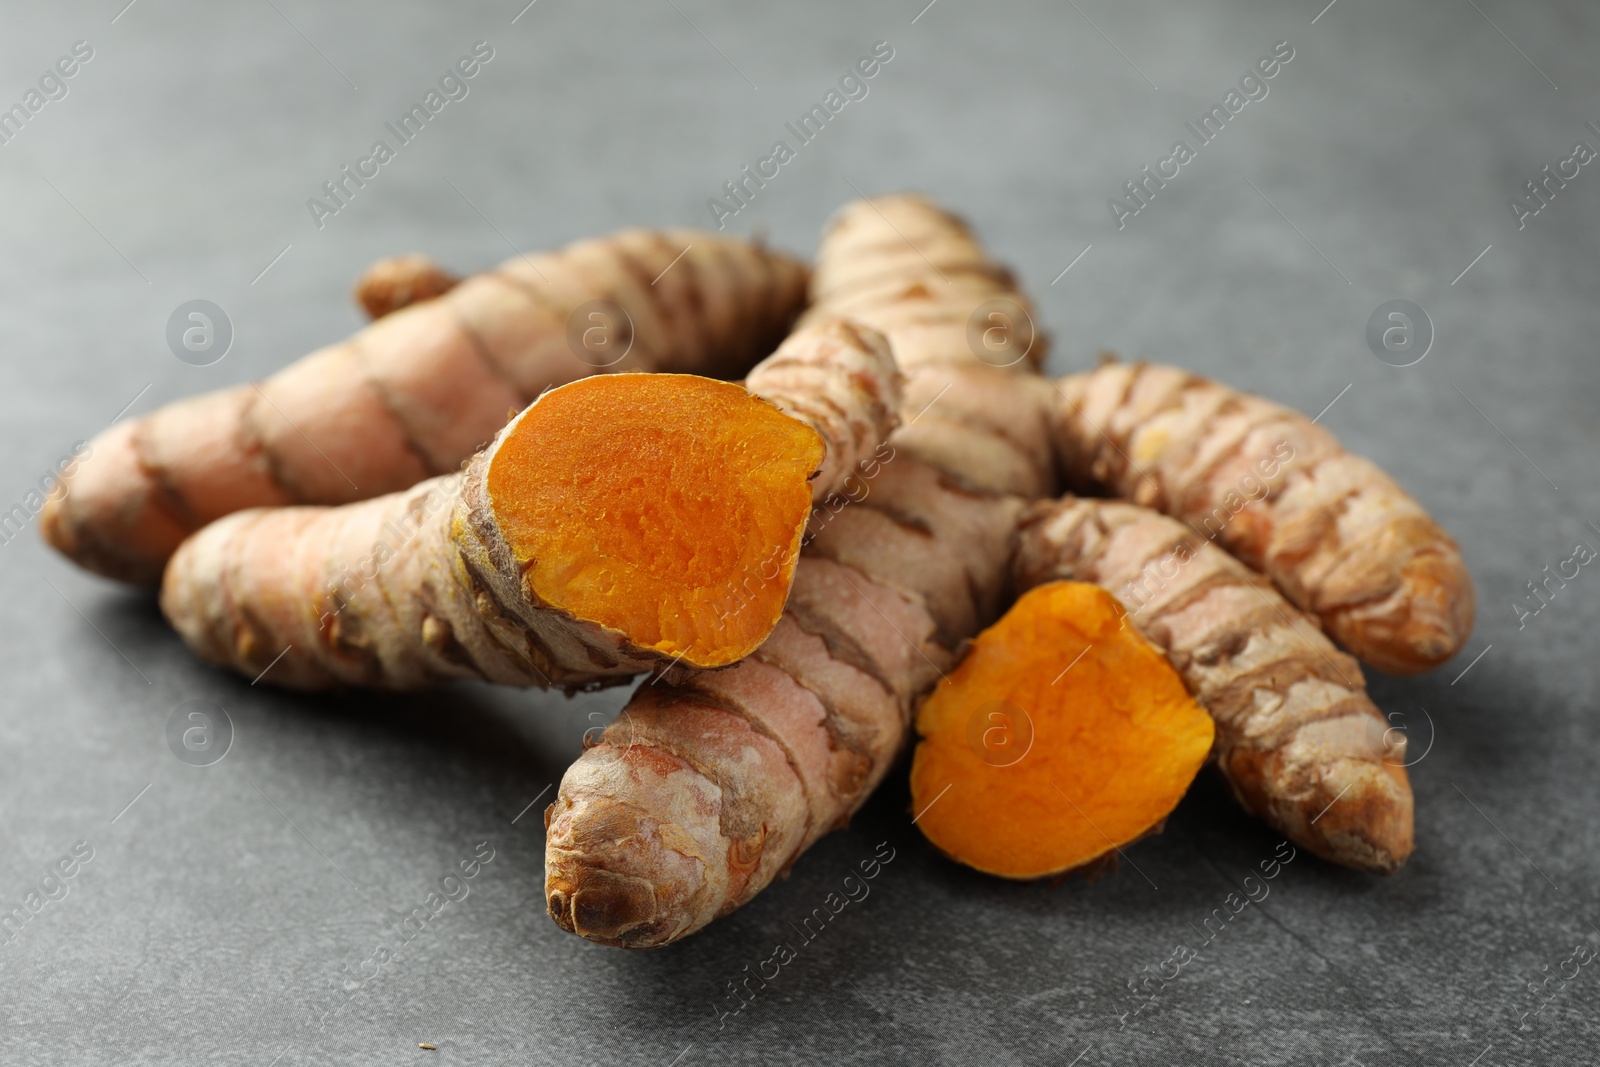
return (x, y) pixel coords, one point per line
(226, 901)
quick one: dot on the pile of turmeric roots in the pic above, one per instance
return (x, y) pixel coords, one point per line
(586, 466)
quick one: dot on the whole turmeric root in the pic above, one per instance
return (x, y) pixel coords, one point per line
(620, 523)
(1337, 535)
(1298, 739)
(416, 392)
(1062, 736)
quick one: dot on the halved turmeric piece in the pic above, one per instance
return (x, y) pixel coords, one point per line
(647, 511)
(1062, 736)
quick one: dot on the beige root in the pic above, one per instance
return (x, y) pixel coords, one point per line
(418, 391)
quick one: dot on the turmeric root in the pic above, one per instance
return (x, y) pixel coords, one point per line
(1062, 736)
(1338, 536)
(416, 392)
(392, 284)
(1298, 739)
(703, 791)
(604, 532)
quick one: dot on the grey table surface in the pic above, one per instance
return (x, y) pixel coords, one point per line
(225, 907)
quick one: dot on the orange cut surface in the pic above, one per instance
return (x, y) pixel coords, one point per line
(668, 507)
(1062, 735)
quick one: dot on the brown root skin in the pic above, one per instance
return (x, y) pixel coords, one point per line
(840, 377)
(1419, 625)
(400, 281)
(667, 862)
(1338, 536)
(1061, 737)
(415, 393)
(137, 556)
(1298, 739)
(905, 266)
(619, 524)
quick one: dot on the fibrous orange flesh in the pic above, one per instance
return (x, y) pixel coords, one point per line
(668, 507)
(1063, 735)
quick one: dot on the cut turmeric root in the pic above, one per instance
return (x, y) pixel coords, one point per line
(418, 391)
(1062, 736)
(619, 524)
(638, 509)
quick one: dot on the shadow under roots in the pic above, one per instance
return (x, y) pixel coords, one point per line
(517, 740)
(512, 735)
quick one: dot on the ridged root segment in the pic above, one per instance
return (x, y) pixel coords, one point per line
(904, 265)
(368, 594)
(840, 378)
(1062, 736)
(1298, 739)
(962, 333)
(420, 390)
(1336, 534)
(642, 503)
